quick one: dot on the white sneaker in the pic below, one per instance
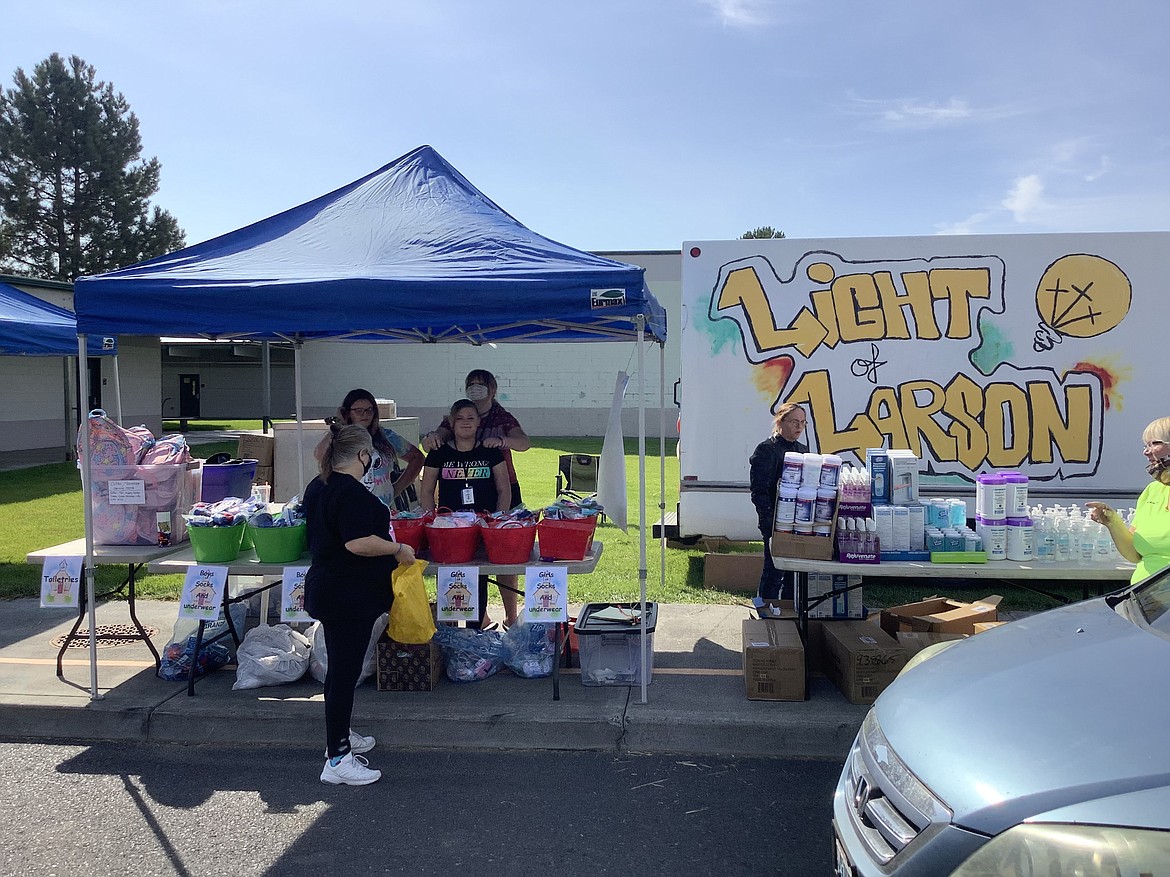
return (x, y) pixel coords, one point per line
(353, 770)
(357, 743)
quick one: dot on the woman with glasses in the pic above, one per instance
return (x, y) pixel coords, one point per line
(766, 462)
(497, 429)
(1146, 541)
(397, 462)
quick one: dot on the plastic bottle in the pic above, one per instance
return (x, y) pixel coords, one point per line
(1044, 542)
(1104, 543)
(1062, 539)
(1088, 541)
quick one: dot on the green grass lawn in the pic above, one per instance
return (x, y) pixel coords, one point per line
(41, 506)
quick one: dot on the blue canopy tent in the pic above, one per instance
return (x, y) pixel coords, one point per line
(410, 253)
(32, 327)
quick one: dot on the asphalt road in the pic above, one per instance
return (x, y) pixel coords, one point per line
(138, 809)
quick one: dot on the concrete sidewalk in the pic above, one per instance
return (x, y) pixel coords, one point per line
(695, 704)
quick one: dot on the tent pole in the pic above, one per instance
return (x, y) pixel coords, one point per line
(300, 418)
(641, 322)
(117, 392)
(266, 358)
(85, 503)
(67, 398)
(662, 462)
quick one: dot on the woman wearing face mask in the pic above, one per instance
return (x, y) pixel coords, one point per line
(497, 429)
(466, 475)
(347, 587)
(396, 461)
(1147, 541)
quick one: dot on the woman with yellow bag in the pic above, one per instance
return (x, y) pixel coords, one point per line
(347, 587)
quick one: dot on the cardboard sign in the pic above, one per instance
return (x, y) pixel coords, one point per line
(457, 593)
(129, 492)
(292, 594)
(546, 594)
(202, 595)
(61, 582)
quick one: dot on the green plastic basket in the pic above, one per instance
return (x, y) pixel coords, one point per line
(279, 544)
(216, 544)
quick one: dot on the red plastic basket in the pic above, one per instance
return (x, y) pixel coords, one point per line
(511, 543)
(412, 531)
(566, 540)
(452, 544)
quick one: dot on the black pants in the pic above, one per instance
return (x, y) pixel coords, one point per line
(774, 583)
(346, 641)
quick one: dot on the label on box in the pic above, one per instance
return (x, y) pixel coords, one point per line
(130, 492)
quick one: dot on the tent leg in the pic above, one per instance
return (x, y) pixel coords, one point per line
(641, 320)
(88, 509)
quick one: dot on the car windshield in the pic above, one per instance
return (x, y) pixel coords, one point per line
(1152, 599)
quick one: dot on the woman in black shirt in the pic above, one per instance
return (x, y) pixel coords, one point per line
(347, 587)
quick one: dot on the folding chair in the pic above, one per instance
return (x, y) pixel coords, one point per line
(577, 476)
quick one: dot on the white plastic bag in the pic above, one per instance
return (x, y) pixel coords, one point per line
(271, 655)
(319, 657)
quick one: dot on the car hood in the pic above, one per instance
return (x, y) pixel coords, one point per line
(1049, 712)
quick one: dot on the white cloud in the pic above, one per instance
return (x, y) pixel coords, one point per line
(742, 13)
(1026, 198)
(925, 115)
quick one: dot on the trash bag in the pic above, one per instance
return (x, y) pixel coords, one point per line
(530, 649)
(471, 655)
(178, 653)
(271, 655)
(319, 656)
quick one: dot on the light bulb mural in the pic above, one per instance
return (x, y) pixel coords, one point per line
(1079, 296)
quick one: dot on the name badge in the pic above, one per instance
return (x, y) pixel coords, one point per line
(468, 496)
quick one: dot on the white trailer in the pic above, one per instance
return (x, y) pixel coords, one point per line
(1044, 354)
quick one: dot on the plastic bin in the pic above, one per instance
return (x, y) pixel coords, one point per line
(566, 540)
(509, 544)
(411, 531)
(452, 544)
(216, 544)
(611, 651)
(169, 488)
(279, 544)
(222, 480)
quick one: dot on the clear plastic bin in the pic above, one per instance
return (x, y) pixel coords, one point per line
(611, 650)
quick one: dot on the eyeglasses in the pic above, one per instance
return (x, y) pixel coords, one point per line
(1149, 446)
(363, 410)
(800, 422)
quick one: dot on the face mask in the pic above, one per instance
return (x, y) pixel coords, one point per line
(369, 464)
(477, 392)
(1157, 466)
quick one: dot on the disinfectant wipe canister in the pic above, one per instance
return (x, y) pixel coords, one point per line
(826, 506)
(785, 509)
(958, 513)
(811, 472)
(1017, 494)
(1019, 539)
(830, 471)
(994, 534)
(806, 501)
(793, 467)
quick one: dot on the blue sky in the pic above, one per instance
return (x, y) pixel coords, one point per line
(627, 125)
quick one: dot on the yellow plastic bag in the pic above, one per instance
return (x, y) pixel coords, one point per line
(410, 614)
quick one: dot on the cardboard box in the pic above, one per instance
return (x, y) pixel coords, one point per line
(773, 660)
(903, 476)
(257, 447)
(263, 475)
(981, 626)
(861, 658)
(914, 641)
(408, 667)
(733, 572)
(845, 604)
(940, 615)
(774, 609)
(803, 546)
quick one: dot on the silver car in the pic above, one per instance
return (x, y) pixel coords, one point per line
(1038, 748)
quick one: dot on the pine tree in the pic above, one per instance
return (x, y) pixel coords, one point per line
(74, 191)
(764, 231)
